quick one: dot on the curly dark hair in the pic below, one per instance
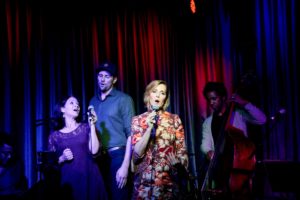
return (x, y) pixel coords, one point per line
(217, 87)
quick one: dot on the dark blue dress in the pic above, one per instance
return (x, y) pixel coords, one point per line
(80, 178)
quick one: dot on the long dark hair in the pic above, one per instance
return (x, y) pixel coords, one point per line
(58, 121)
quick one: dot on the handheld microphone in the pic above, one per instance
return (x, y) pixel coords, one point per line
(156, 109)
(280, 112)
(89, 112)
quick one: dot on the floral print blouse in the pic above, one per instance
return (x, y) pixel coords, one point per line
(153, 178)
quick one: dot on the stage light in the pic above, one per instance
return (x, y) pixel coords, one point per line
(193, 6)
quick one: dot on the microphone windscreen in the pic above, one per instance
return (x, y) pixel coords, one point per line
(91, 107)
(155, 107)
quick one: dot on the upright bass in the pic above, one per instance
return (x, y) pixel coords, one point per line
(238, 162)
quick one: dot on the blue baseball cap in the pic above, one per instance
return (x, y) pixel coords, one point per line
(109, 67)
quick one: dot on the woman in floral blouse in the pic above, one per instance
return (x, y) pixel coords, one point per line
(158, 144)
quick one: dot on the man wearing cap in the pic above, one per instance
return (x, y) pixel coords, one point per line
(114, 110)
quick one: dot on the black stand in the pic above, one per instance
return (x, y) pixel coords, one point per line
(48, 184)
(281, 176)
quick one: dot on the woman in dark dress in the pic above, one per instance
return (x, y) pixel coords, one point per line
(76, 145)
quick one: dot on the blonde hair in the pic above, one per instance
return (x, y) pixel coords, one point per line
(149, 88)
